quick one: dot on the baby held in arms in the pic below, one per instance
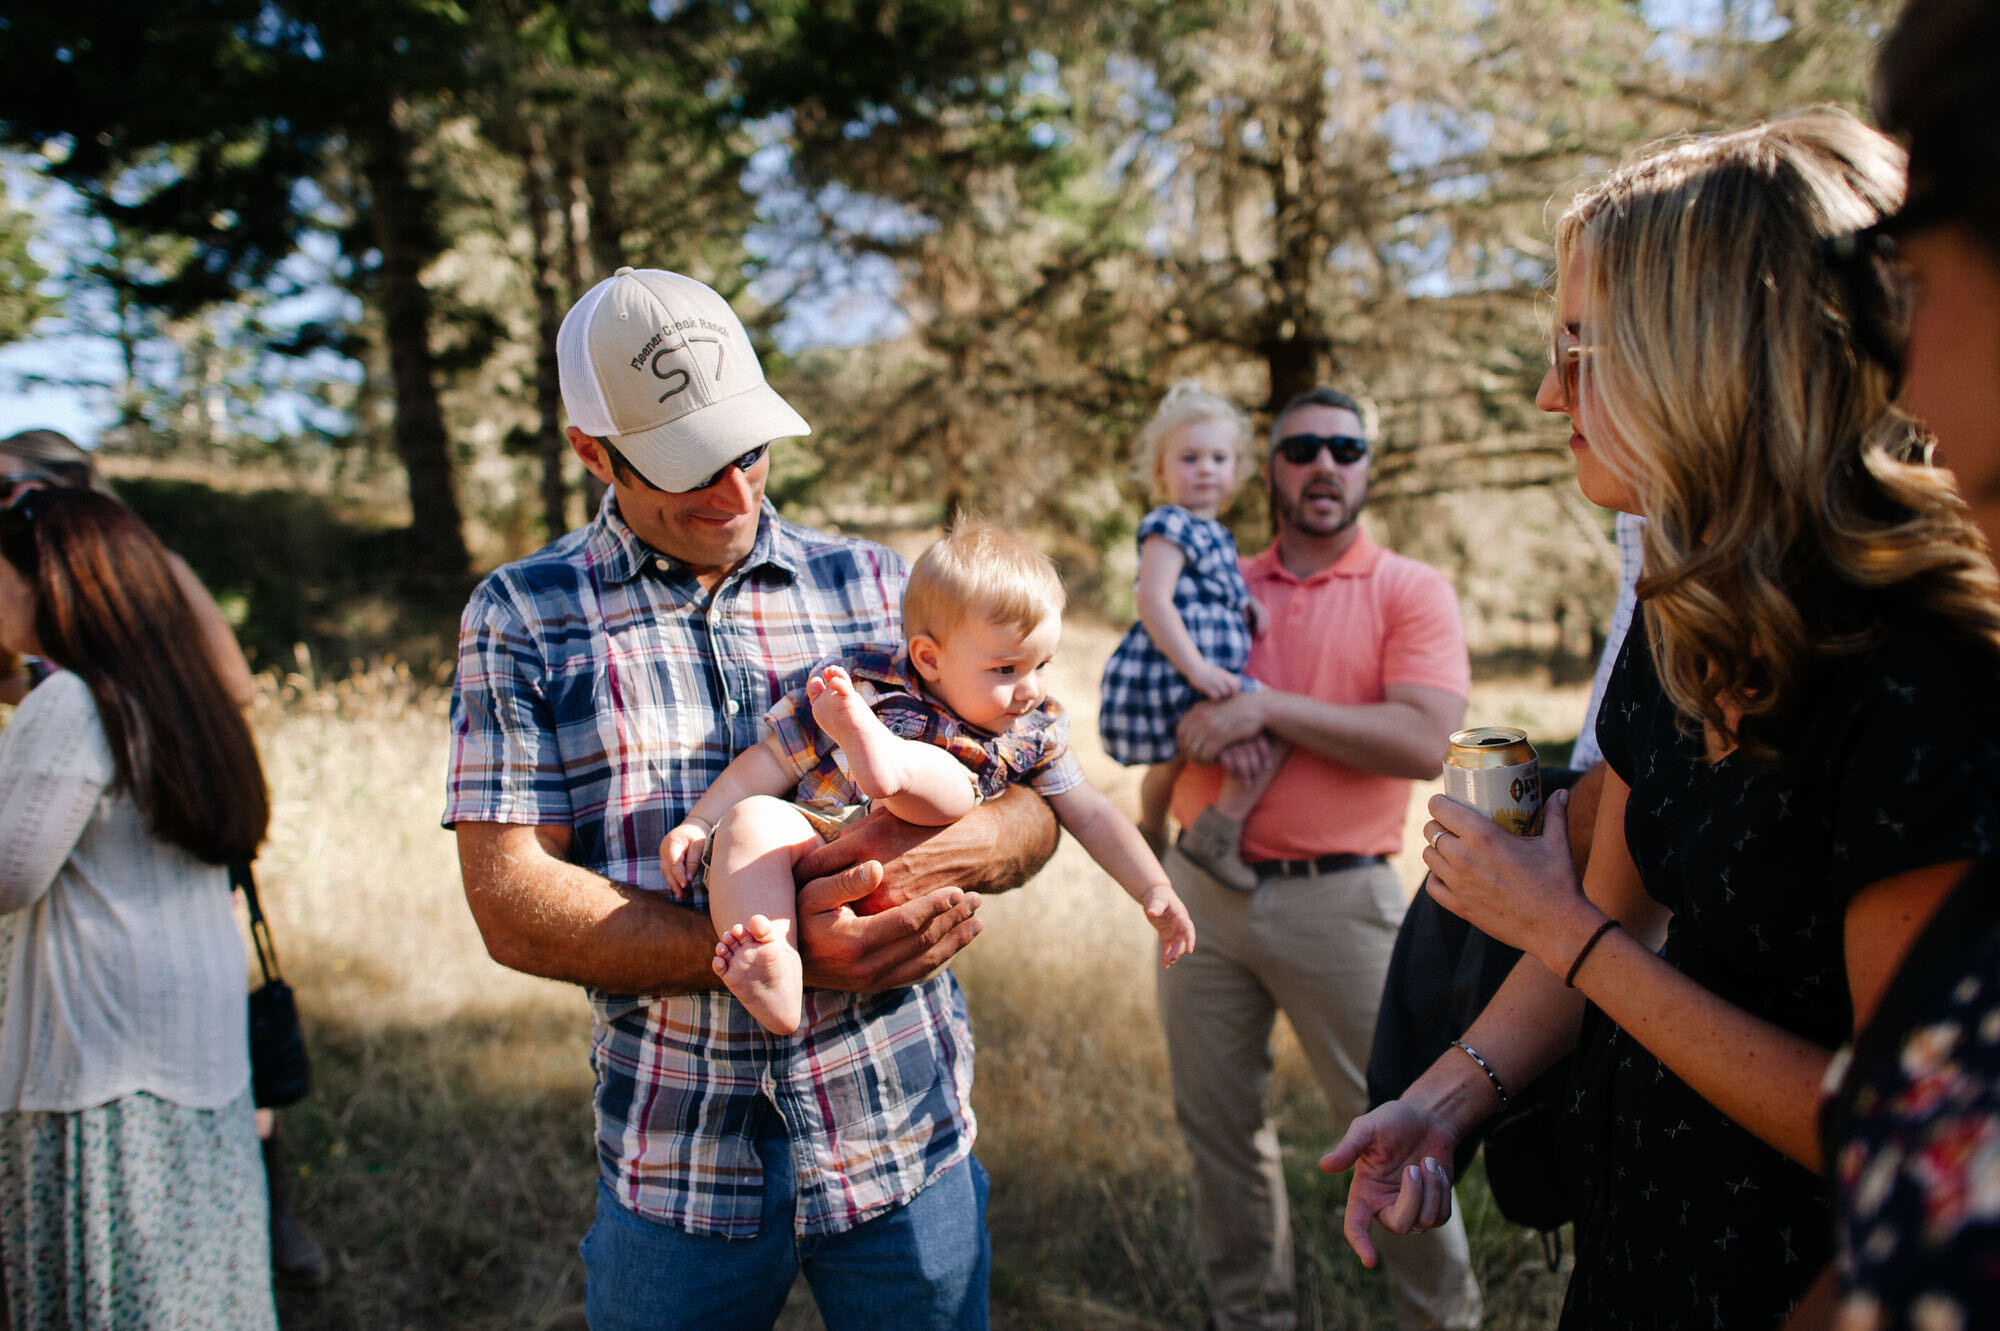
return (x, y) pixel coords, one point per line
(953, 716)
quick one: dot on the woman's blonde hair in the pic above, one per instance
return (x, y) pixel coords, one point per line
(1789, 511)
(1187, 403)
(978, 568)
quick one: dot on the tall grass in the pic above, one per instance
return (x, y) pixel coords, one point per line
(445, 1156)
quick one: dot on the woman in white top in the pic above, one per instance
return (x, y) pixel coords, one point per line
(131, 1192)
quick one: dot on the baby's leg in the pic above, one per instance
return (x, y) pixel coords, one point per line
(1237, 798)
(1156, 790)
(918, 782)
(753, 902)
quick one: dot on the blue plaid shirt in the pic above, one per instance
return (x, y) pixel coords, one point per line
(600, 688)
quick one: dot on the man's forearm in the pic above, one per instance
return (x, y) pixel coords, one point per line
(544, 916)
(1403, 736)
(1023, 832)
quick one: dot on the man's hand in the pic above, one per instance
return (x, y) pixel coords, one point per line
(1212, 726)
(885, 949)
(997, 846)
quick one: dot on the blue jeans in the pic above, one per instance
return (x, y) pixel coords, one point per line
(922, 1265)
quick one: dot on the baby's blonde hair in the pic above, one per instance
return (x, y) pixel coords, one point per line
(979, 568)
(1188, 403)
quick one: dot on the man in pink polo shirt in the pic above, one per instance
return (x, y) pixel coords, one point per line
(1367, 676)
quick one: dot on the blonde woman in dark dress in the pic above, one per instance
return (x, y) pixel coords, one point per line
(1801, 764)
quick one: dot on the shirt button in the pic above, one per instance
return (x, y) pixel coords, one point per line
(734, 707)
(663, 566)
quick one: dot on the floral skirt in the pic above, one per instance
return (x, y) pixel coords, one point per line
(135, 1214)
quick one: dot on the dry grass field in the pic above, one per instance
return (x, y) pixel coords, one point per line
(445, 1156)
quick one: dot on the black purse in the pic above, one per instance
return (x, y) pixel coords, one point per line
(280, 1072)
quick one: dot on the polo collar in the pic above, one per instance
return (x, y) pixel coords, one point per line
(1357, 561)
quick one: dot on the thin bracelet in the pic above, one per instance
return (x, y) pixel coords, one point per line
(1486, 1068)
(1569, 980)
(707, 827)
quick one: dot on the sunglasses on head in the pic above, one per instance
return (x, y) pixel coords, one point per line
(742, 463)
(1299, 449)
(16, 484)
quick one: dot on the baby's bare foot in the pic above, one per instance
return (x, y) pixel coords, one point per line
(759, 965)
(873, 760)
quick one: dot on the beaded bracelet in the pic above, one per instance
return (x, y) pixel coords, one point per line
(1569, 980)
(1486, 1068)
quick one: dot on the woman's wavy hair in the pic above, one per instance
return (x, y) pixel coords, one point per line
(1186, 403)
(109, 609)
(1790, 511)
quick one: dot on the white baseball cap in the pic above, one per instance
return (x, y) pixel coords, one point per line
(660, 365)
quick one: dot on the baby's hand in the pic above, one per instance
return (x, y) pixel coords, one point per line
(1212, 681)
(680, 852)
(1170, 918)
(1259, 618)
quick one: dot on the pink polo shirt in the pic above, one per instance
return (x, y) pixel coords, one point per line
(1370, 619)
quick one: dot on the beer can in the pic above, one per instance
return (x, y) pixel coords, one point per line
(1494, 770)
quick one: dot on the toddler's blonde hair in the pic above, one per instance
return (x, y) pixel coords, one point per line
(978, 568)
(1188, 403)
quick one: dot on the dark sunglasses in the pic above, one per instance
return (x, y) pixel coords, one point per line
(1299, 449)
(742, 463)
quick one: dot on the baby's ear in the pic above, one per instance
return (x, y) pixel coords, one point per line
(924, 651)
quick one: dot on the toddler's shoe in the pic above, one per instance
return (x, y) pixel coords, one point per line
(1213, 843)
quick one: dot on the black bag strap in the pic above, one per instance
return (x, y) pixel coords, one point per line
(244, 881)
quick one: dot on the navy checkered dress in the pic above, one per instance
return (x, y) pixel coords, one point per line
(1143, 697)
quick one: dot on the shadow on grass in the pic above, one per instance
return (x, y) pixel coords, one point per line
(446, 1171)
(449, 1170)
(289, 567)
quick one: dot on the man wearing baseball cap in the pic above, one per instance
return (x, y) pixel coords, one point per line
(603, 682)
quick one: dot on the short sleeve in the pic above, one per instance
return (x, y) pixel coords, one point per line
(1172, 523)
(1918, 765)
(505, 764)
(1425, 641)
(1060, 774)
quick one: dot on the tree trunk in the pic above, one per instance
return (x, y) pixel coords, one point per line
(580, 248)
(550, 443)
(406, 241)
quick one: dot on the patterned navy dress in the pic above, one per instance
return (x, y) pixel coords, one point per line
(1143, 697)
(1687, 1220)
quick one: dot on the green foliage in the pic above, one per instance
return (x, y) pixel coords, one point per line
(23, 302)
(296, 569)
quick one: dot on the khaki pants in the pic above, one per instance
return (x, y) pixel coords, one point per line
(1316, 948)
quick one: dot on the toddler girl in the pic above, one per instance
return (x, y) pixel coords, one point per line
(1196, 619)
(953, 716)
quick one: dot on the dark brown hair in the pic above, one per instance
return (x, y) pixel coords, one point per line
(1937, 89)
(109, 610)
